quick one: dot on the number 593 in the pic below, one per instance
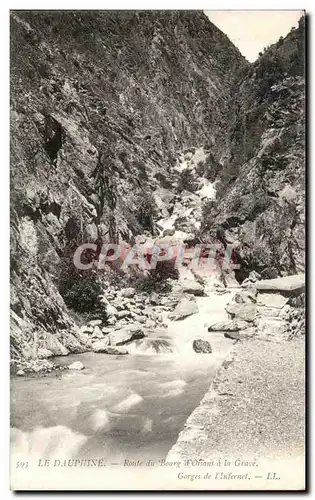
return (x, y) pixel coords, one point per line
(21, 465)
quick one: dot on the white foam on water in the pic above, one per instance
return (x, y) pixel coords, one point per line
(167, 223)
(181, 235)
(139, 373)
(50, 442)
(174, 384)
(100, 420)
(184, 332)
(182, 166)
(124, 405)
(172, 388)
(172, 393)
(208, 190)
(147, 425)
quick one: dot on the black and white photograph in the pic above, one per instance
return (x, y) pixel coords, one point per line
(157, 250)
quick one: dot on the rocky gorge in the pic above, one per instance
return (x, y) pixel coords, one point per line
(150, 128)
(152, 144)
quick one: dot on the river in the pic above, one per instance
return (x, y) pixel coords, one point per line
(119, 407)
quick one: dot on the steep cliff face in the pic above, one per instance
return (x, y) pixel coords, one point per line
(261, 188)
(102, 105)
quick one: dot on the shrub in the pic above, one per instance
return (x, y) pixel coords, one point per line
(158, 279)
(280, 41)
(145, 212)
(80, 289)
(82, 295)
(270, 70)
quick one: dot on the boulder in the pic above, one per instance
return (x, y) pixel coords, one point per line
(97, 333)
(232, 335)
(252, 278)
(135, 327)
(106, 330)
(192, 287)
(43, 353)
(111, 310)
(95, 322)
(219, 286)
(228, 326)
(288, 285)
(20, 373)
(100, 345)
(123, 314)
(77, 365)
(154, 298)
(270, 312)
(83, 338)
(124, 336)
(136, 311)
(128, 292)
(272, 300)
(184, 309)
(246, 296)
(201, 346)
(140, 239)
(169, 232)
(113, 350)
(53, 345)
(272, 327)
(246, 312)
(140, 319)
(285, 312)
(86, 329)
(249, 332)
(70, 342)
(121, 305)
(241, 334)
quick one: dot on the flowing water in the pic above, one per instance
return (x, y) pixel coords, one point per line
(119, 407)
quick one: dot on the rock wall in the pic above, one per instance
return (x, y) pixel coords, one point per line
(102, 106)
(261, 189)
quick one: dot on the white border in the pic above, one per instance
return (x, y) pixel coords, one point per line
(4, 198)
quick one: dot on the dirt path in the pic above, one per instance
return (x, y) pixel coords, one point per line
(254, 410)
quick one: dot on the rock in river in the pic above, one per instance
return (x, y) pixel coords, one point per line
(228, 326)
(193, 287)
(202, 346)
(77, 365)
(114, 350)
(101, 345)
(241, 335)
(246, 312)
(125, 335)
(183, 309)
